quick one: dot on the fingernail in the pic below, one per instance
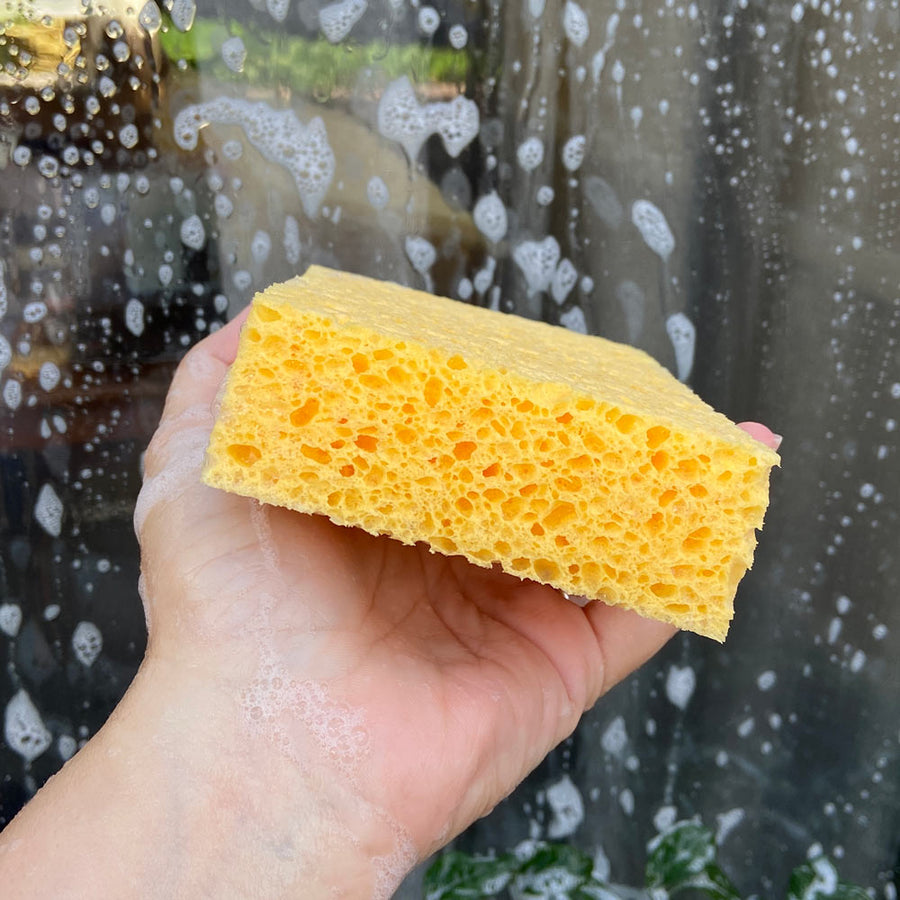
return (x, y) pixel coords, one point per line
(776, 440)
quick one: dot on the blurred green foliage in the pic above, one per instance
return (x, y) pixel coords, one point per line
(311, 66)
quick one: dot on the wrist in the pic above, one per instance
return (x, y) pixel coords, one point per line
(173, 798)
(246, 817)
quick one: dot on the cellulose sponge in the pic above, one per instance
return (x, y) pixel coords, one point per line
(564, 458)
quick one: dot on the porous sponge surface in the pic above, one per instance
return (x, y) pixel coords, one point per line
(565, 458)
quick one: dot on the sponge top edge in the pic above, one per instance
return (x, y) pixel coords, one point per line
(583, 365)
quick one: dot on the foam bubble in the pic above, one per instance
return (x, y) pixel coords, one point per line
(260, 247)
(680, 684)
(303, 150)
(48, 510)
(35, 311)
(403, 119)
(484, 277)
(421, 253)
(24, 728)
(183, 13)
(278, 9)
(232, 149)
(134, 316)
(537, 260)
(665, 818)
(654, 228)
(575, 23)
(3, 292)
(87, 642)
(377, 192)
(458, 37)
(683, 337)
(573, 152)
(564, 279)
(66, 746)
(429, 19)
(150, 17)
(726, 822)
(12, 394)
(574, 320)
(223, 206)
(234, 54)
(337, 19)
(10, 618)
(530, 154)
(291, 240)
(489, 216)
(567, 807)
(128, 135)
(193, 234)
(614, 739)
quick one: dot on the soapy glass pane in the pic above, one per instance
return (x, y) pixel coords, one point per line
(712, 182)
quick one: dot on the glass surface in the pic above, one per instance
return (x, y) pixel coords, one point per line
(715, 182)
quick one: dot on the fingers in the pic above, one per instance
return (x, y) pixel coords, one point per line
(763, 434)
(626, 640)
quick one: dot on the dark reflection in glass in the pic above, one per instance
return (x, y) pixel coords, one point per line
(715, 183)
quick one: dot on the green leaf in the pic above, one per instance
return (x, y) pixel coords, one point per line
(684, 857)
(554, 870)
(459, 876)
(818, 879)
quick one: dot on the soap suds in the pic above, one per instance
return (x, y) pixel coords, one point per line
(24, 729)
(567, 807)
(403, 119)
(303, 150)
(680, 685)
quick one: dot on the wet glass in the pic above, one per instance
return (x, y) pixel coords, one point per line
(716, 183)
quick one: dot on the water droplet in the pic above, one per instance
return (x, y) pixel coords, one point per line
(48, 510)
(192, 232)
(680, 684)
(377, 192)
(10, 618)
(489, 216)
(24, 729)
(530, 154)
(429, 20)
(575, 23)
(87, 642)
(234, 54)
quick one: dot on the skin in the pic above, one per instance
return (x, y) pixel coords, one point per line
(318, 709)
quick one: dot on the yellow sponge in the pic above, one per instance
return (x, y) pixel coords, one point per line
(567, 459)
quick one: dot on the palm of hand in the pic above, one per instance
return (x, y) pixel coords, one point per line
(464, 676)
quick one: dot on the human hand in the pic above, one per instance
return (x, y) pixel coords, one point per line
(425, 686)
(429, 686)
(318, 708)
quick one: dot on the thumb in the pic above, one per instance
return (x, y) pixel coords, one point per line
(200, 374)
(175, 456)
